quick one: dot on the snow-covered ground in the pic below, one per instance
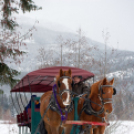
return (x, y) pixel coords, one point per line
(6, 128)
(125, 127)
(122, 127)
(9, 129)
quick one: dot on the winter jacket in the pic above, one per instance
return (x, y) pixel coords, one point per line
(80, 88)
(29, 104)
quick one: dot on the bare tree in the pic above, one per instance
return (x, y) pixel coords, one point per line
(117, 64)
(71, 52)
(81, 53)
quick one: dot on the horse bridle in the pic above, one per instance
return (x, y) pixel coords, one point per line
(64, 90)
(88, 102)
(63, 117)
(91, 110)
(108, 100)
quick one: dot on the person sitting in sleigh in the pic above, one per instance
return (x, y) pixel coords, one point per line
(80, 87)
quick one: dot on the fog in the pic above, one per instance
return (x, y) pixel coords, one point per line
(93, 16)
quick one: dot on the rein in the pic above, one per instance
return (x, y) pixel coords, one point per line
(64, 90)
(100, 95)
(63, 117)
(88, 108)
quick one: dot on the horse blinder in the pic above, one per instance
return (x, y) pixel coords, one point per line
(72, 84)
(103, 92)
(114, 91)
(58, 83)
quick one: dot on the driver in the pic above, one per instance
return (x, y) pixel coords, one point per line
(80, 87)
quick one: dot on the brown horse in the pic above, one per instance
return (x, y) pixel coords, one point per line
(97, 106)
(52, 119)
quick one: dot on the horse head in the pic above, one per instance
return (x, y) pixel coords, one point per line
(106, 92)
(64, 86)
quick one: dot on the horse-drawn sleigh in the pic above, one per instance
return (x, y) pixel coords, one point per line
(61, 110)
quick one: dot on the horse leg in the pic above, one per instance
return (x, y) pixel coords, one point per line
(101, 129)
(67, 129)
(47, 127)
(61, 130)
(54, 130)
(91, 131)
(87, 130)
(95, 131)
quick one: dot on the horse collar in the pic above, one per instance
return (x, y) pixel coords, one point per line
(54, 107)
(87, 108)
(91, 110)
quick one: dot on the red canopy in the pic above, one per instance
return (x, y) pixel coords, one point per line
(42, 80)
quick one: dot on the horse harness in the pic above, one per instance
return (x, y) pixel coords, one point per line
(109, 100)
(64, 90)
(87, 108)
(54, 103)
(54, 107)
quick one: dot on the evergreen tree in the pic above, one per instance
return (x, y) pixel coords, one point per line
(7, 75)
(10, 40)
(12, 6)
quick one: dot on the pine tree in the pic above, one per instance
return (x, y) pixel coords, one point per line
(8, 9)
(10, 40)
(7, 75)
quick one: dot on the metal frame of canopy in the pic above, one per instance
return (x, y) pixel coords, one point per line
(42, 80)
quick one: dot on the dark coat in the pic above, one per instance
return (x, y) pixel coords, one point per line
(80, 88)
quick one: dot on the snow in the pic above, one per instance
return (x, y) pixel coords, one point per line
(6, 128)
(9, 129)
(124, 127)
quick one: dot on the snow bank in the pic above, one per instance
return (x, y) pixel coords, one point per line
(124, 127)
(6, 128)
(9, 129)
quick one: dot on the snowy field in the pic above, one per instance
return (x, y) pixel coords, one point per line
(9, 129)
(126, 127)
(122, 127)
(6, 128)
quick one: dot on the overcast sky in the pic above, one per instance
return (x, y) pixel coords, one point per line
(93, 16)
